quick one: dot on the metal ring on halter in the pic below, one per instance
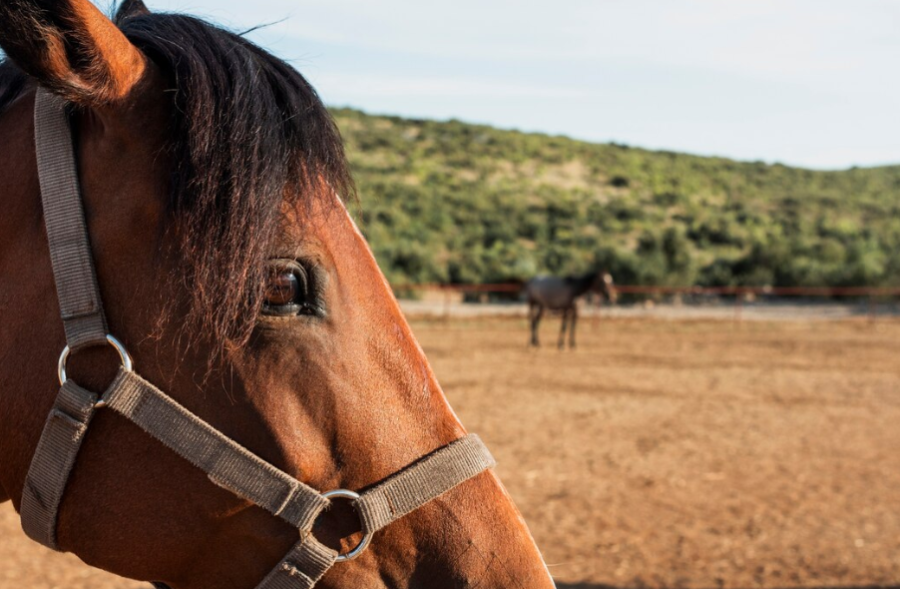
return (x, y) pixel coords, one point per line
(364, 543)
(124, 356)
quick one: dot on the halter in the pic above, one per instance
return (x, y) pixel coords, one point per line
(228, 464)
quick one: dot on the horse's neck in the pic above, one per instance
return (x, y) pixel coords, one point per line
(580, 285)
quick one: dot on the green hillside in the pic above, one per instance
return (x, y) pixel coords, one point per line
(453, 202)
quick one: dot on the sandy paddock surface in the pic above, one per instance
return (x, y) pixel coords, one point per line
(697, 454)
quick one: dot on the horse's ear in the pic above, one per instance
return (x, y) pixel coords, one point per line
(70, 47)
(130, 9)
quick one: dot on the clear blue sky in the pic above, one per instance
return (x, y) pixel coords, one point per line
(814, 83)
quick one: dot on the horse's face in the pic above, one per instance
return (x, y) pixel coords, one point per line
(604, 285)
(325, 379)
(610, 287)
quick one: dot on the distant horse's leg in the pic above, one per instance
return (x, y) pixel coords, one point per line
(562, 328)
(572, 323)
(535, 310)
(531, 311)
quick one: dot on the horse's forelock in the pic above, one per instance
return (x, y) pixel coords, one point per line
(248, 132)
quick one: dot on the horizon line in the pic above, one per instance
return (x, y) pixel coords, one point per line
(611, 142)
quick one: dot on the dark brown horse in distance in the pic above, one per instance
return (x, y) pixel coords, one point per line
(561, 294)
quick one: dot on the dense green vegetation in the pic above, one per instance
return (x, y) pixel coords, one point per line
(453, 202)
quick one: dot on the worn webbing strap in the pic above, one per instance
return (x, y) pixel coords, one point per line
(228, 464)
(304, 565)
(81, 311)
(232, 467)
(399, 495)
(53, 460)
(70, 249)
(424, 481)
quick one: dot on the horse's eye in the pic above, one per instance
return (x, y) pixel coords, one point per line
(286, 290)
(282, 289)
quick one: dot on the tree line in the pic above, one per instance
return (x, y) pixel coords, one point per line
(452, 202)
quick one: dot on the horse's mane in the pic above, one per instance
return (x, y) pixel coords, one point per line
(247, 132)
(581, 282)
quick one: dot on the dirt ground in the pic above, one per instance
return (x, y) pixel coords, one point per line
(696, 454)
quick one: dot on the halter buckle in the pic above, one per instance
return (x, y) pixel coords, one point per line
(364, 543)
(124, 356)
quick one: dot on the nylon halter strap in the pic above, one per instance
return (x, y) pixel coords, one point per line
(228, 464)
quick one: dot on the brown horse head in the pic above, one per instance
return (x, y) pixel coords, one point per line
(605, 286)
(232, 272)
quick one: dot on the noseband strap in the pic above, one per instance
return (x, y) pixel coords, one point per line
(228, 464)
